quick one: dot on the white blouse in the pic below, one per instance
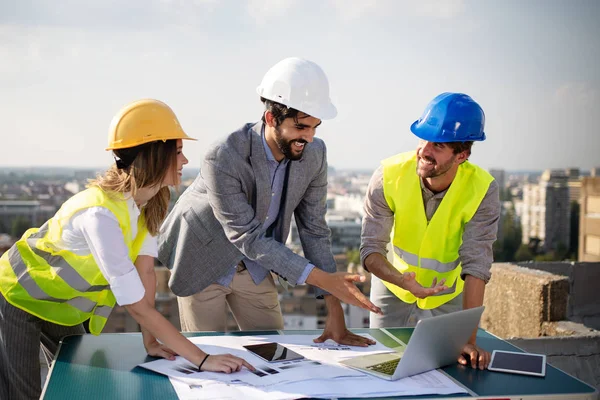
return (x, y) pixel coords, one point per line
(96, 230)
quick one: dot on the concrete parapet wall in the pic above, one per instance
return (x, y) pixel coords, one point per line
(567, 328)
(584, 286)
(519, 300)
(584, 299)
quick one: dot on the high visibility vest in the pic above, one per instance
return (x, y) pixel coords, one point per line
(430, 250)
(58, 285)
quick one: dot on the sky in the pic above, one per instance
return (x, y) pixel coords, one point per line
(66, 67)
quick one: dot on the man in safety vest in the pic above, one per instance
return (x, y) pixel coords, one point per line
(441, 212)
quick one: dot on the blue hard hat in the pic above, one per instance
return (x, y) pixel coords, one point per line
(451, 117)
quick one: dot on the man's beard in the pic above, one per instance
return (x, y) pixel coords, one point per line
(435, 172)
(285, 146)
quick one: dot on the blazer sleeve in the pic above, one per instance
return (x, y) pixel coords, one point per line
(313, 230)
(236, 215)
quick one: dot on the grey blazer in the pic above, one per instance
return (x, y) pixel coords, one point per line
(219, 219)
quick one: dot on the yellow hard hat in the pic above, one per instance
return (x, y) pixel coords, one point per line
(144, 121)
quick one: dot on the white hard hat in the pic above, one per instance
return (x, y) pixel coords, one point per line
(299, 84)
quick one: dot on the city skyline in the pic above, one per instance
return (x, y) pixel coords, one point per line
(193, 170)
(68, 67)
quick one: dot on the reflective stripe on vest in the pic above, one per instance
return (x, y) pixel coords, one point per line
(430, 248)
(58, 263)
(427, 263)
(57, 285)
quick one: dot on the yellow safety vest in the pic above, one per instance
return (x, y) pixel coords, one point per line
(58, 285)
(430, 249)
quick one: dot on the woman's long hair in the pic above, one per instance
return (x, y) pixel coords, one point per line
(151, 164)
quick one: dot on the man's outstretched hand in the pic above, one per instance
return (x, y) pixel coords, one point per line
(342, 285)
(409, 283)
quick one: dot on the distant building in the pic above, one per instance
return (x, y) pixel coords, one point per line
(518, 205)
(299, 322)
(589, 220)
(6, 242)
(532, 213)
(499, 176)
(345, 232)
(573, 173)
(500, 179)
(356, 317)
(574, 177)
(85, 174)
(73, 187)
(546, 210)
(508, 209)
(352, 202)
(30, 210)
(330, 202)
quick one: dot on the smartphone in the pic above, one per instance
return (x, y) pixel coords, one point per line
(273, 352)
(518, 363)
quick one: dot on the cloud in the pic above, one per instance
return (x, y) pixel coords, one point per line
(106, 14)
(353, 9)
(438, 9)
(263, 10)
(39, 55)
(136, 15)
(31, 47)
(22, 49)
(39, 34)
(576, 95)
(442, 9)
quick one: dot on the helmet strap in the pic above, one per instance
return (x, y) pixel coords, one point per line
(120, 163)
(126, 157)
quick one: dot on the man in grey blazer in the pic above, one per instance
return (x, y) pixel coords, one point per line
(226, 234)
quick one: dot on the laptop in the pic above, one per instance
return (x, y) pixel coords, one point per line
(435, 343)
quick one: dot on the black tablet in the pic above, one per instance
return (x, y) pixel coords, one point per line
(273, 352)
(518, 363)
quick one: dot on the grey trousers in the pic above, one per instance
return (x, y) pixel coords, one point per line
(397, 313)
(20, 337)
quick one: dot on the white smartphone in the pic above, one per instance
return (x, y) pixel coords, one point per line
(518, 363)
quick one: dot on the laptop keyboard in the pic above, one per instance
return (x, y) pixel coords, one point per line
(386, 368)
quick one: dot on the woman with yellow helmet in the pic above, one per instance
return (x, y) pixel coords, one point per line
(97, 251)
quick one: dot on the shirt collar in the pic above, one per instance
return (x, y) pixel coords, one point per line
(132, 207)
(428, 192)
